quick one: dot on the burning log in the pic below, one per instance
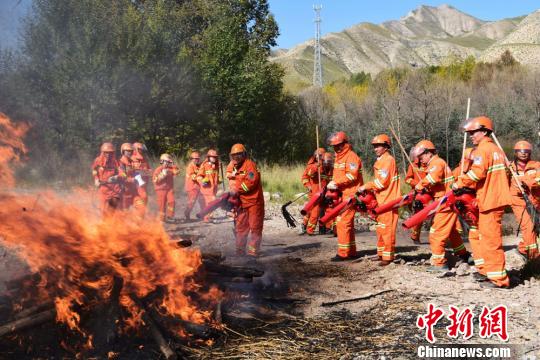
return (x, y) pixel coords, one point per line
(26, 322)
(165, 349)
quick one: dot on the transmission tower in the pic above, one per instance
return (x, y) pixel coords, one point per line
(317, 68)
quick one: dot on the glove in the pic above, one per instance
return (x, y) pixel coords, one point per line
(332, 185)
(97, 183)
(113, 179)
(361, 189)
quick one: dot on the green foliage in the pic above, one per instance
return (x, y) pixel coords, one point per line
(177, 75)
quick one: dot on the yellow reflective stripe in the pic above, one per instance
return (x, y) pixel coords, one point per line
(380, 225)
(478, 261)
(378, 184)
(449, 179)
(350, 176)
(496, 274)
(473, 176)
(432, 230)
(380, 248)
(460, 247)
(244, 186)
(473, 228)
(430, 179)
(395, 178)
(388, 253)
(497, 167)
(305, 181)
(210, 172)
(339, 166)
(437, 256)
(532, 246)
(343, 246)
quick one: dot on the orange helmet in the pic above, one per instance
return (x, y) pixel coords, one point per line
(381, 139)
(319, 152)
(425, 144)
(126, 147)
(195, 155)
(237, 148)
(523, 146)
(139, 147)
(107, 147)
(337, 138)
(478, 123)
(165, 157)
(212, 152)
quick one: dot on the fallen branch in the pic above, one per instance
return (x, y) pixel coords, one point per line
(28, 321)
(160, 340)
(367, 296)
(32, 310)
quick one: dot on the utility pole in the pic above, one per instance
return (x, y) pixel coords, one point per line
(317, 68)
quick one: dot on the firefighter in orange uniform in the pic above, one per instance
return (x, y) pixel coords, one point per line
(524, 166)
(191, 186)
(437, 181)
(310, 180)
(246, 183)
(143, 173)
(386, 187)
(108, 178)
(347, 176)
(326, 175)
(130, 187)
(163, 179)
(488, 176)
(209, 179)
(415, 174)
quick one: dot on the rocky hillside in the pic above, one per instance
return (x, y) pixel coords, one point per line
(425, 36)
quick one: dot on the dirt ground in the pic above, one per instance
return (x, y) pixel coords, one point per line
(299, 277)
(280, 315)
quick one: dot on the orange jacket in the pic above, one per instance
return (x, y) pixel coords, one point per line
(191, 184)
(386, 184)
(488, 176)
(164, 181)
(141, 166)
(102, 170)
(247, 182)
(523, 173)
(310, 177)
(412, 178)
(209, 174)
(347, 172)
(438, 177)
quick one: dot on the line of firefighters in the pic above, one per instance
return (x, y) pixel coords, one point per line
(123, 185)
(472, 196)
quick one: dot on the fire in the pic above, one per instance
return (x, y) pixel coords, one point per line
(11, 148)
(84, 260)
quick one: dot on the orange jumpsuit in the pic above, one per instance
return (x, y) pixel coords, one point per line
(209, 180)
(310, 179)
(326, 177)
(348, 177)
(164, 187)
(488, 175)
(386, 187)
(142, 168)
(130, 187)
(474, 235)
(527, 246)
(192, 189)
(413, 177)
(246, 181)
(438, 180)
(110, 194)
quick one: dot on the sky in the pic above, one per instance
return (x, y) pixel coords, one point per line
(295, 17)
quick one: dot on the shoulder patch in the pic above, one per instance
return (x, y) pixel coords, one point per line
(251, 175)
(433, 168)
(477, 160)
(383, 173)
(353, 166)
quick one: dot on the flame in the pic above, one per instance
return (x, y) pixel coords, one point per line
(83, 259)
(11, 147)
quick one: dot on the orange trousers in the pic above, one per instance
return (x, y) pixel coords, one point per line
(208, 198)
(527, 246)
(140, 202)
(386, 234)
(165, 201)
(476, 247)
(249, 222)
(415, 232)
(445, 227)
(345, 233)
(193, 196)
(491, 250)
(313, 219)
(108, 205)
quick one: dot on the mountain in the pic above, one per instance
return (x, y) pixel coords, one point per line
(426, 36)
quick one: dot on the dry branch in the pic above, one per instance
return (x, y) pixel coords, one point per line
(28, 321)
(363, 297)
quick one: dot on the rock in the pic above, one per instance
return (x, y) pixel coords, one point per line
(514, 260)
(471, 286)
(402, 261)
(463, 269)
(276, 196)
(446, 274)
